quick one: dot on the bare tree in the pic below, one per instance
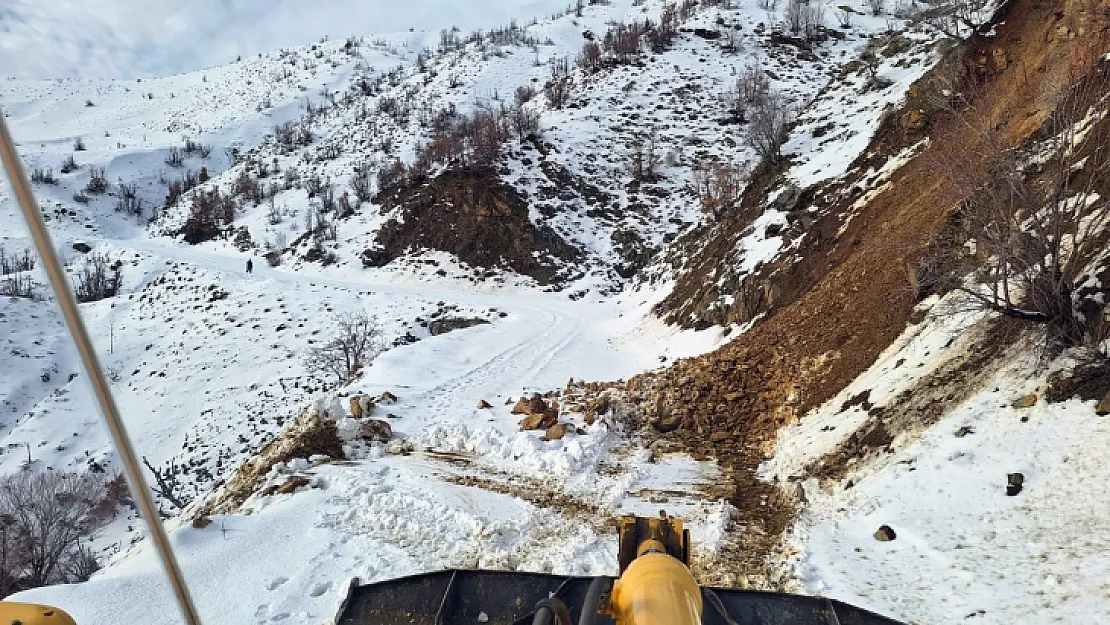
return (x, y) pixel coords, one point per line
(1022, 239)
(769, 128)
(959, 19)
(43, 517)
(356, 342)
(166, 483)
(361, 182)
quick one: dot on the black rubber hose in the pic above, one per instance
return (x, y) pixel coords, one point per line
(600, 587)
(552, 609)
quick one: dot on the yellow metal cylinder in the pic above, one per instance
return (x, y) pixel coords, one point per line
(656, 589)
(32, 614)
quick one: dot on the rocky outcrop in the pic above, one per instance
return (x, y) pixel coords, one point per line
(476, 217)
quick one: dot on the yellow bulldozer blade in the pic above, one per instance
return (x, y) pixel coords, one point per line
(32, 614)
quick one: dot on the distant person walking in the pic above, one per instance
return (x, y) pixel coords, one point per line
(250, 265)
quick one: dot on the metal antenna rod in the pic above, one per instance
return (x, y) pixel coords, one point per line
(66, 301)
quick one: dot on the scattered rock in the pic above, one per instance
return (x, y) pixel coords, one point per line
(719, 437)
(450, 324)
(1014, 483)
(1027, 401)
(523, 406)
(376, 430)
(1103, 407)
(201, 522)
(964, 431)
(391, 416)
(532, 422)
(508, 401)
(483, 405)
(555, 432)
(885, 534)
(82, 248)
(387, 398)
(292, 484)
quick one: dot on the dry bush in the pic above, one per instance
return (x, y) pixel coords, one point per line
(643, 160)
(356, 341)
(99, 278)
(558, 92)
(43, 176)
(804, 18)
(128, 201)
(16, 263)
(719, 185)
(69, 165)
(590, 57)
(98, 181)
(175, 157)
(361, 182)
(209, 212)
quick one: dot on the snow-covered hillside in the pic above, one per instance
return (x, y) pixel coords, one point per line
(144, 38)
(207, 358)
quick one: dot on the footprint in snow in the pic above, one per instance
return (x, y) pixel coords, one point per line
(276, 583)
(320, 589)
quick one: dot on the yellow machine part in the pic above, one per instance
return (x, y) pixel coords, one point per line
(32, 614)
(656, 589)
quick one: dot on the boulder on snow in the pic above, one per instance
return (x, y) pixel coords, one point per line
(1103, 407)
(555, 432)
(201, 522)
(82, 248)
(387, 398)
(483, 405)
(292, 484)
(376, 430)
(538, 421)
(1026, 401)
(356, 406)
(1014, 483)
(885, 534)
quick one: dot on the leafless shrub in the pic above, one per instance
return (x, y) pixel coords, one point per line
(805, 18)
(313, 184)
(356, 342)
(361, 182)
(590, 57)
(69, 165)
(662, 36)
(81, 198)
(877, 7)
(247, 187)
(557, 92)
(393, 175)
(99, 278)
(768, 5)
(750, 88)
(643, 161)
(43, 176)
(209, 213)
(43, 518)
(175, 157)
(16, 263)
(719, 185)
(20, 285)
(524, 94)
(79, 145)
(98, 182)
(771, 118)
(128, 201)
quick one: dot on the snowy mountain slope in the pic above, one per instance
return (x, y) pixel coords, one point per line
(140, 39)
(963, 547)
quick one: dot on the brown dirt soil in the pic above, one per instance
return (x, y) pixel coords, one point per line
(731, 403)
(311, 434)
(478, 218)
